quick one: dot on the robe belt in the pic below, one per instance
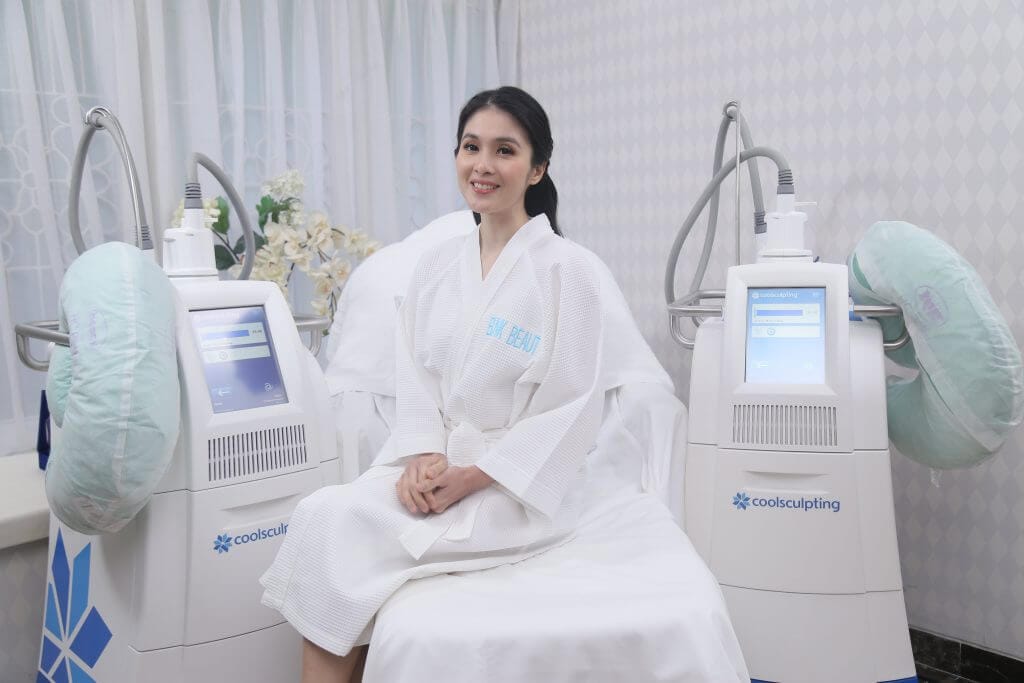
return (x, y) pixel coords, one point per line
(466, 445)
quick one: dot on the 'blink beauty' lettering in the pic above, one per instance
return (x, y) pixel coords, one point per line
(517, 337)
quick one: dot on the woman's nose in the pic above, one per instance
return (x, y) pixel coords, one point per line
(483, 163)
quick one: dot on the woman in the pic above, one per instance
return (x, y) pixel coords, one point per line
(498, 403)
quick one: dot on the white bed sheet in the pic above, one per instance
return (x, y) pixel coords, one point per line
(628, 599)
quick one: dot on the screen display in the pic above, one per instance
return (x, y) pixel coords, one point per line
(238, 358)
(786, 335)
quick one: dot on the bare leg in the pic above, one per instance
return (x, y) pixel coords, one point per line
(320, 666)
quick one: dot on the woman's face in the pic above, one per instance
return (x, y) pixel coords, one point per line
(494, 163)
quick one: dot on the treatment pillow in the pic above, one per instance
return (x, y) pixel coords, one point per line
(121, 412)
(58, 383)
(969, 392)
(361, 343)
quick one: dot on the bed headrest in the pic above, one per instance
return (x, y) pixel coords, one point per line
(361, 343)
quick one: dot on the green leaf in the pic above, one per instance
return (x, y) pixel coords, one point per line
(239, 247)
(222, 224)
(225, 259)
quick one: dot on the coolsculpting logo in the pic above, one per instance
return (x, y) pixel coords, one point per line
(741, 501)
(74, 634)
(224, 542)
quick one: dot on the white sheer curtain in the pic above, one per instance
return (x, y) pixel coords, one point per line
(361, 96)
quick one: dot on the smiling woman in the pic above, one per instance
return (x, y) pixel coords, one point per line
(505, 137)
(498, 402)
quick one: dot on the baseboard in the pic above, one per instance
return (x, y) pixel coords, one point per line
(941, 659)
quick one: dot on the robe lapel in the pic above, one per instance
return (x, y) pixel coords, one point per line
(478, 292)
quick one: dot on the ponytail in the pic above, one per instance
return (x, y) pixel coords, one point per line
(543, 198)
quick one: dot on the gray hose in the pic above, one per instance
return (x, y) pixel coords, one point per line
(785, 186)
(755, 188)
(95, 119)
(217, 172)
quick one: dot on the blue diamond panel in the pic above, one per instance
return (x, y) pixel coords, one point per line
(79, 676)
(61, 578)
(61, 674)
(40, 678)
(79, 587)
(52, 622)
(50, 651)
(92, 638)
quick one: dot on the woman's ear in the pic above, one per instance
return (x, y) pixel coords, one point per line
(537, 172)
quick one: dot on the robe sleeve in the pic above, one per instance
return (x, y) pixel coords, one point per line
(418, 424)
(540, 456)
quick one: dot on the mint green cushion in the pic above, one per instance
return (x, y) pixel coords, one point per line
(58, 383)
(969, 392)
(121, 414)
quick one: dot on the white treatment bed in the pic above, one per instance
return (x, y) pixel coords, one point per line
(626, 599)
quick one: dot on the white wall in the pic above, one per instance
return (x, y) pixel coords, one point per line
(886, 111)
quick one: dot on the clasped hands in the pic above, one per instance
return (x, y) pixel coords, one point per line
(430, 484)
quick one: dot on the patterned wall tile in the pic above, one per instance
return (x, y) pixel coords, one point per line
(909, 110)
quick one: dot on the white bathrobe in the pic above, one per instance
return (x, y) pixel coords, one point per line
(500, 372)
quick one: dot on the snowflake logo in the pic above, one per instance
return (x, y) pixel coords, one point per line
(741, 501)
(74, 634)
(222, 543)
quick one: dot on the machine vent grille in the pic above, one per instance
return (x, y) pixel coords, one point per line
(764, 424)
(249, 453)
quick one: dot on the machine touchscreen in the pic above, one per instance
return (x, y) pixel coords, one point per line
(238, 356)
(785, 335)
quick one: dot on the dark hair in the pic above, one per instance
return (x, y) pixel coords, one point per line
(520, 105)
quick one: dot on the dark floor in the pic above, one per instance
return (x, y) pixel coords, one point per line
(926, 674)
(946, 661)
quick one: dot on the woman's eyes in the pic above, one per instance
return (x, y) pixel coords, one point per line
(504, 150)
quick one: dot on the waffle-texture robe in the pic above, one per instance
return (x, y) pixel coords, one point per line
(501, 372)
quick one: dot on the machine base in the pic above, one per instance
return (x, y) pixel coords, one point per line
(269, 655)
(809, 638)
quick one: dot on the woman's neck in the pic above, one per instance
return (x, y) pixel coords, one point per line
(497, 229)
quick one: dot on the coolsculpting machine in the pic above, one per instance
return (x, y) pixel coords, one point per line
(788, 489)
(788, 486)
(176, 593)
(174, 596)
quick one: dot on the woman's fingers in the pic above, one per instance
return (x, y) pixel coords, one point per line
(442, 500)
(402, 487)
(418, 500)
(436, 468)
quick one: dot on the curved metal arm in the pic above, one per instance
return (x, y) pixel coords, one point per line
(100, 118)
(872, 311)
(44, 330)
(248, 236)
(687, 308)
(315, 325)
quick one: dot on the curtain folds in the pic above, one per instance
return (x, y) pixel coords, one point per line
(361, 96)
